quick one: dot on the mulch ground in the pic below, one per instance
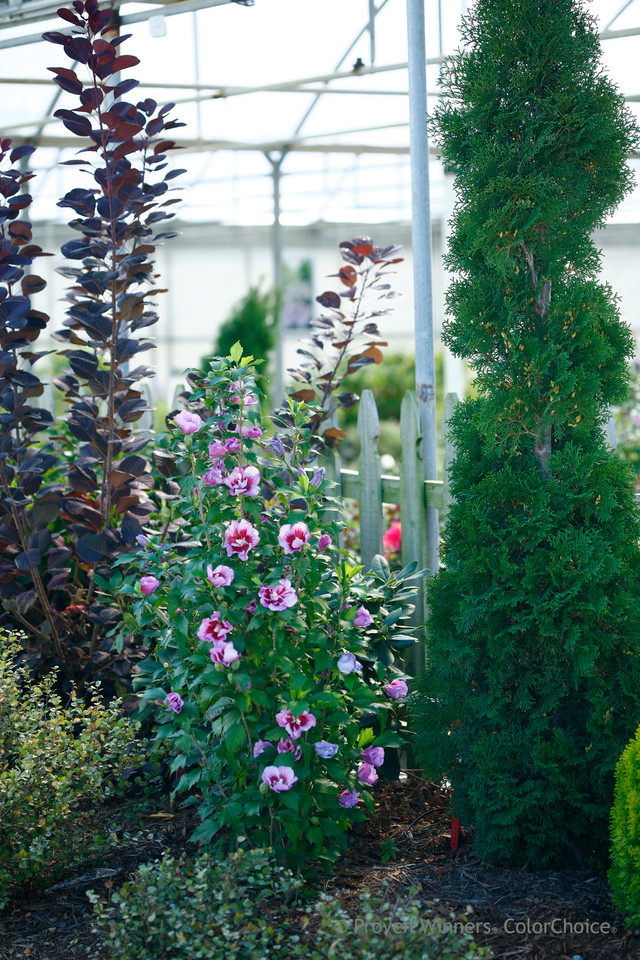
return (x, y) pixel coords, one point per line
(550, 915)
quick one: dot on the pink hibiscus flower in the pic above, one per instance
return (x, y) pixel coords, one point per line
(392, 540)
(220, 576)
(214, 474)
(293, 537)
(244, 482)
(279, 597)
(232, 445)
(224, 652)
(288, 746)
(279, 778)
(295, 726)
(239, 537)
(213, 628)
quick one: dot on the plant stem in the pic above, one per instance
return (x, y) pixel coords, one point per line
(199, 502)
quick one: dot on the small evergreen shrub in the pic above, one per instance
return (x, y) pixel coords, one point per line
(54, 762)
(624, 875)
(198, 910)
(247, 908)
(251, 323)
(531, 687)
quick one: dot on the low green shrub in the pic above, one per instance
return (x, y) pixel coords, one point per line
(383, 928)
(55, 761)
(248, 908)
(199, 910)
(624, 875)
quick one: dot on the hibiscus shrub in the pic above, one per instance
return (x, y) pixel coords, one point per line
(270, 666)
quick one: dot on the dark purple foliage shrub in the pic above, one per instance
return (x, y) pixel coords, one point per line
(25, 504)
(103, 501)
(346, 337)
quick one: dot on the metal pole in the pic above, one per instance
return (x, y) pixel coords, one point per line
(422, 275)
(372, 32)
(277, 386)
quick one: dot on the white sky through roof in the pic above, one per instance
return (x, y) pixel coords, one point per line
(275, 41)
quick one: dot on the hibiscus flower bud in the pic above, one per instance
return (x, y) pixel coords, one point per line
(374, 756)
(397, 689)
(174, 702)
(348, 798)
(188, 422)
(148, 585)
(363, 618)
(367, 774)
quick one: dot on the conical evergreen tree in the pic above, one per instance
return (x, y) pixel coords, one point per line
(532, 686)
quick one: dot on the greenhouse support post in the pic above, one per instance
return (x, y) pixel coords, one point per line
(422, 272)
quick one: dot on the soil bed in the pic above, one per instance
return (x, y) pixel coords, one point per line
(551, 915)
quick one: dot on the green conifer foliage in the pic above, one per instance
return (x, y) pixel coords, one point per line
(532, 686)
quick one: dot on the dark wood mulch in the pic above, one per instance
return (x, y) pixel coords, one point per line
(550, 915)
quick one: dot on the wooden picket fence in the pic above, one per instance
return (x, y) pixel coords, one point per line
(415, 495)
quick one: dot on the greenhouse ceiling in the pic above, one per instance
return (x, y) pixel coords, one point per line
(319, 90)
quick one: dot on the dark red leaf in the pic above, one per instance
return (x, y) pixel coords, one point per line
(71, 86)
(28, 560)
(19, 230)
(307, 396)
(348, 276)
(101, 47)
(32, 284)
(124, 131)
(79, 125)
(53, 37)
(78, 48)
(133, 465)
(124, 87)
(19, 152)
(124, 62)
(69, 16)
(333, 435)
(20, 202)
(329, 299)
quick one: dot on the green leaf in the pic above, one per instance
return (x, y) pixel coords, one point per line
(236, 352)
(235, 737)
(365, 737)
(380, 567)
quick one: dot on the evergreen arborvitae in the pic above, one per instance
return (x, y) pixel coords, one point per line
(532, 686)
